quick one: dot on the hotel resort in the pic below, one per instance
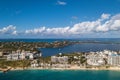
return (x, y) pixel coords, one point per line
(104, 58)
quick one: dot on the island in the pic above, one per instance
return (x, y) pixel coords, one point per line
(26, 55)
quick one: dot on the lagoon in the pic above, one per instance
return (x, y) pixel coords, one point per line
(114, 44)
(84, 47)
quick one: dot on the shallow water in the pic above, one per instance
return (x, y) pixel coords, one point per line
(61, 75)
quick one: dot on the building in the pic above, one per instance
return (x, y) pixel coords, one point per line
(34, 63)
(23, 55)
(100, 58)
(108, 52)
(37, 55)
(19, 56)
(114, 60)
(16, 56)
(63, 59)
(96, 59)
(1, 53)
(13, 57)
(9, 57)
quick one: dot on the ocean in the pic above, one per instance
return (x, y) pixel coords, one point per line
(61, 75)
(114, 40)
(114, 44)
(67, 74)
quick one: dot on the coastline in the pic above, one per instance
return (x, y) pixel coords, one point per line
(39, 68)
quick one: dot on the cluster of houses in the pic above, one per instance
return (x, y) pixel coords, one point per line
(100, 58)
(59, 61)
(94, 59)
(20, 55)
(105, 57)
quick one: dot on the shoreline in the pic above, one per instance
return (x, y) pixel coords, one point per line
(97, 69)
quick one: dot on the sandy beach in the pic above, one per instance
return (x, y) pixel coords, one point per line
(71, 68)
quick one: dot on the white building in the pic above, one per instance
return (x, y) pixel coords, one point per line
(16, 56)
(114, 60)
(13, 57)
(34, 63)
(96, 59)
(9, 57)
(108, 52)
(22, 55)
(29, 55)
(63, 59)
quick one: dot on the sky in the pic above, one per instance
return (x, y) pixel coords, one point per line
(59, 18)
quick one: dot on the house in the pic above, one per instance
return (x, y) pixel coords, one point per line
(9, 57)
(34, 63)
(29, 56)
(37, 55)
(22, 55)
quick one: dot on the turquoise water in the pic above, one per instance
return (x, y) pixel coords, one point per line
(60, 75)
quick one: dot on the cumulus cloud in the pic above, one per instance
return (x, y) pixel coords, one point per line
(8, 30)
(14, 32)
(48, 31)
(61, 3)
(105, 16)
(105, 23)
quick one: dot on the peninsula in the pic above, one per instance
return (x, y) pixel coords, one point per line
(101, 60)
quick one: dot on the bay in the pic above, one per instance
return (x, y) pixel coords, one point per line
(114, 44)
(85, 47)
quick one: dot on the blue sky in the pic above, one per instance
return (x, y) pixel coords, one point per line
(59, 18)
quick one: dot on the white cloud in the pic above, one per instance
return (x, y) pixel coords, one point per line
(61, 3)
(36, 30)
(105, 16)
(14, 32)
(105, 23)
(8, 30)
(48, 31)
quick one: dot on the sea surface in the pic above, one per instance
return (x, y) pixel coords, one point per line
(114, 40)
(114, 44)
(61, 75)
